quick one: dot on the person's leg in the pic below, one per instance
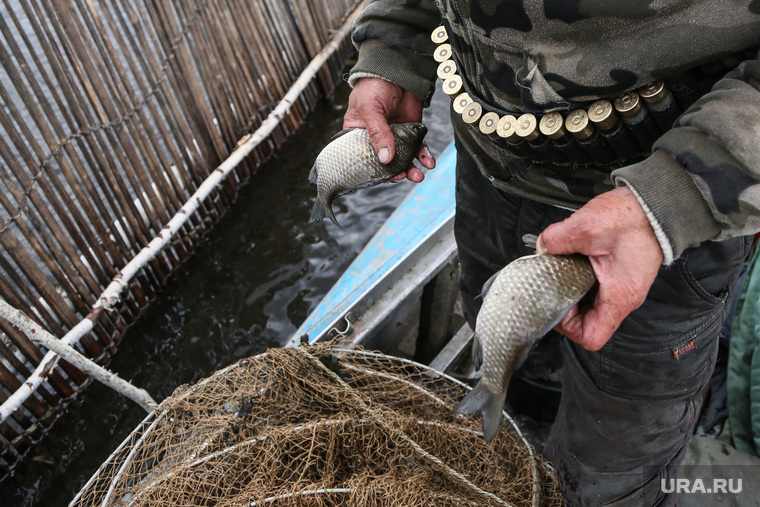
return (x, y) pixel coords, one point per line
(633, 404)
(628, 411)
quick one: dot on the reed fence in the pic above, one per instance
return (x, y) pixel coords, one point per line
(113, 113)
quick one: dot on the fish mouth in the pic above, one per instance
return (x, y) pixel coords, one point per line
(419, 129)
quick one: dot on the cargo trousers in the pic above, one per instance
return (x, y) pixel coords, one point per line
(627, 412)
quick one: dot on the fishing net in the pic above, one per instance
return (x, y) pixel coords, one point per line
(320, 425)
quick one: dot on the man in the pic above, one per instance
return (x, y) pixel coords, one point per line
(665, 227)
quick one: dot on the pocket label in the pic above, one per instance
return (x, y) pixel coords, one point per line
(679, 352)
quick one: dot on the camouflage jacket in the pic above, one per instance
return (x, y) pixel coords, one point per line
(699, 181)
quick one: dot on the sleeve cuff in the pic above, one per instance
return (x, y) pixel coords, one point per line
(413, 72)
(355, 76)
(676, 209)
(665, 245)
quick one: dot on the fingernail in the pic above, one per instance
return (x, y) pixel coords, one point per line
(384, 154)
(540, 248)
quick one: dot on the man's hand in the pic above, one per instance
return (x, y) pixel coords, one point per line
(613, 230)
(374, 104)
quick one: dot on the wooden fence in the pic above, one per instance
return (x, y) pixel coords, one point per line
(113, 112)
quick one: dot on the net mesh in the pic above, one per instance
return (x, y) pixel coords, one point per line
(320, 425)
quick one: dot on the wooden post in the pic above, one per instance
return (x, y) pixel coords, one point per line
(38, 335)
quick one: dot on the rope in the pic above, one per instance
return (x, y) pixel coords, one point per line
(398, 433)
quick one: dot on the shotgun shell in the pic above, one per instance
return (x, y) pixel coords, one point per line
(661, 104)
(506, 126)
(638, 120)
(578, 125)
(439, 35)
(472, 112)
(488, 123)
(452, 85)
(551, 125)
(527, 127)
(653, 93)
(628, 105)
(461, 101)
(602, 115)
(446, 69)
(442, 53)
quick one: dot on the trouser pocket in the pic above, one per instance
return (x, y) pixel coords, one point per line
(667, 347)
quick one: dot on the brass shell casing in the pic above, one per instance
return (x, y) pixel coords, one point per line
(602, 115)
(446, 69)
(439, 35)
(442, 53)
(628, 104)
(653, 93)
(552, 125)
(461, 101)
(472, 112)
(506, 126)
(578, 125)
(452, 85)
(527, 127)
(488, 123)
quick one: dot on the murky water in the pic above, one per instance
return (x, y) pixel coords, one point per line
(248, 287)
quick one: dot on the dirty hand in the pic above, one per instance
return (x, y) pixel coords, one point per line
(373, 104)
(613, 231)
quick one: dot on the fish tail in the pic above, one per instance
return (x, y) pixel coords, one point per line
(322, 210)
(488, 404)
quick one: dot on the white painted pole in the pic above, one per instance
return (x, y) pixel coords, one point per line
(40, 336)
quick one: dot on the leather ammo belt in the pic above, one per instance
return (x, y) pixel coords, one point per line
(607, 132)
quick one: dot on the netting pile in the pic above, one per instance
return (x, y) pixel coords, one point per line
(320, 425)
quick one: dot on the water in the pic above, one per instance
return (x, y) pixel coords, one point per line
(253, 280)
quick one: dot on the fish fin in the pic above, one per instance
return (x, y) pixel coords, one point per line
(522, 356)
(530, 240)
(313, 175)
(488, 404)
(477, 352)
(320, 211)
(487, 285)
(342, 133)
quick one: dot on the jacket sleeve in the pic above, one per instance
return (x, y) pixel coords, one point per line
(393, 38)
(702, 181)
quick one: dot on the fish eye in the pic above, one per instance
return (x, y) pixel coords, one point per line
(419, 128)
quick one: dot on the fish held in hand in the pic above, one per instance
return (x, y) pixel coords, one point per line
(521, 303)
(349, 162)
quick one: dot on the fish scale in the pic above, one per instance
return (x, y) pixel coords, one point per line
(521, 303)
(349, 162)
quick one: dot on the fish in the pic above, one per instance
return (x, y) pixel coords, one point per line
(521, 303)
(349, 162)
